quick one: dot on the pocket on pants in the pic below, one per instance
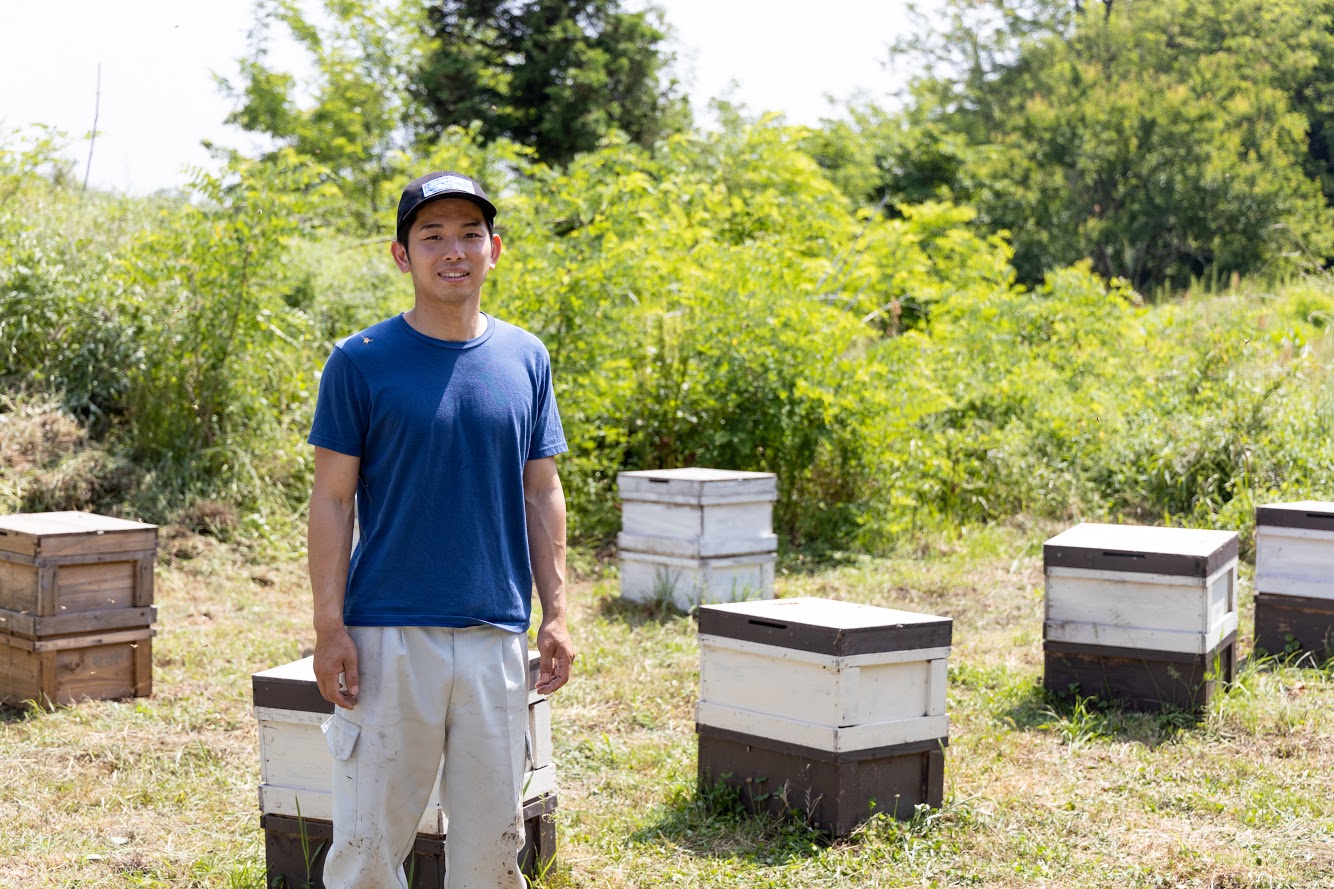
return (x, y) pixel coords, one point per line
(340, 735)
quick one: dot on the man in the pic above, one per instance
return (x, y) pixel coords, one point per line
(440, 427)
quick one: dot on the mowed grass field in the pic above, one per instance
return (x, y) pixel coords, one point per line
(161, 791)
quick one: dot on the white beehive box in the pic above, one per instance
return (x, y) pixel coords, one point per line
(1141, 588)
(1294, 578)
(822, 674)
(687, 582)
(1294, 549)
(296, 768)
(697, 513)
(697, 536)
(832, 708)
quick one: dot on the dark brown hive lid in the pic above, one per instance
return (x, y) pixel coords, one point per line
(825, 626)
(1316, 515)
(1141, 549)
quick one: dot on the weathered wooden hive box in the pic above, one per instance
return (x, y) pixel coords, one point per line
(76, 607)
(1294, 577)
(833, 709)
(1145, 615)
(697, 535)
(296, 774)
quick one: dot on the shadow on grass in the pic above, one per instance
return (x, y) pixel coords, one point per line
(711, 822)
(1294, 658)
(1077, 719)
(637, 614)
(10, 714)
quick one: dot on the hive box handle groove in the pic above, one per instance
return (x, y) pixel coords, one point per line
(768, 623)
(1113, 555)
(660, 481)
(1321, 516)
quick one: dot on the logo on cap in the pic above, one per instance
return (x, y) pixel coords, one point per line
(447, 183)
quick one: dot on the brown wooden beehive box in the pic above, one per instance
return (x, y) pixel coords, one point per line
(1143, 615)
(294, 849)
(66, 573)
(832, 709)
(67, 669)
(76, 608)
(833, 792)
(1294, 578)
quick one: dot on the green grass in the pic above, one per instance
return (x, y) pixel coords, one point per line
(160, 792)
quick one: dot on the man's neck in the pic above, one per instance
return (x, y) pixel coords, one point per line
(453, 324)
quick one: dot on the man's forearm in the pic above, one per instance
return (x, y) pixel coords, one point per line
(545, 502)
(329, 546)
(546, 547)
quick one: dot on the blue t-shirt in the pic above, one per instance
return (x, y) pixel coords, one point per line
(443, 431)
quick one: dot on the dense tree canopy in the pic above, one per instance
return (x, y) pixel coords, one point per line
(1163, 140)
(554, 75)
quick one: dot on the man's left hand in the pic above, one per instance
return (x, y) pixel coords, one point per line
(558, 655)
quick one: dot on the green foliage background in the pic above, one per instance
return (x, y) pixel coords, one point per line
(716, 300)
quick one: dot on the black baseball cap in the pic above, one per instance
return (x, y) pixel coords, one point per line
(434, 186)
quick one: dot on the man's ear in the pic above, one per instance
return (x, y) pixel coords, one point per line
(496, 247)
(400, 254)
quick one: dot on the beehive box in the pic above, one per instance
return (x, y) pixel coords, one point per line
(66, 573)
(697, 535)
(834, 791)
(1294, 577)
(686, 582)
(697, 513)
(295, 849)
(1144, 615)
(296, 769)
(68, 669)
(832, 708)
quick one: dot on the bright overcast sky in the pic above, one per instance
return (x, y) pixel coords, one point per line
(158, 59)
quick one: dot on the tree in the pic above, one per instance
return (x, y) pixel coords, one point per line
(350, 124)
(1162, 141)
(553, 75)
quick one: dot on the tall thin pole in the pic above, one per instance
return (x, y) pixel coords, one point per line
(92, 140)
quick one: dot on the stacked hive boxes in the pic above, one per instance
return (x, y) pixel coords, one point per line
(1144, 615)
(692, 536)
(76, 607)
(830, 708)
(296, 771)
(1294, 577)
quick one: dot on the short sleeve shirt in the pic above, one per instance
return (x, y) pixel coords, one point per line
(443, 431)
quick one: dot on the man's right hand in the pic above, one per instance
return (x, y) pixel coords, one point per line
(335, 655)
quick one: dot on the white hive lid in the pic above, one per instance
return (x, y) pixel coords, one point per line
(698, 485)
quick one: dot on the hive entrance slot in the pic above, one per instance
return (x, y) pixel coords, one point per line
(1114, 555)
(768, 623)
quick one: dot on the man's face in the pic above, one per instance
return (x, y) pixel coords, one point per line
(449, 251)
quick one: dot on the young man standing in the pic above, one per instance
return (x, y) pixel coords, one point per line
(437, 429)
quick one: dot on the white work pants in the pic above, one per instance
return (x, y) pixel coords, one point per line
(424, 692)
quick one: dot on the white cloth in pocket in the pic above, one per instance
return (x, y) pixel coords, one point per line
(340, 735)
